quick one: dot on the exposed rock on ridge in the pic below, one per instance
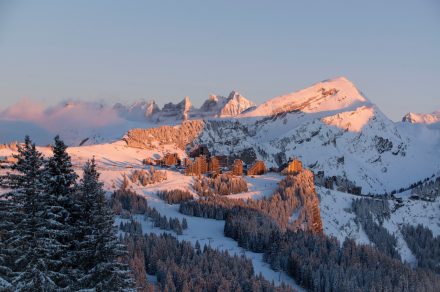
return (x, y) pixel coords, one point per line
(179, 135)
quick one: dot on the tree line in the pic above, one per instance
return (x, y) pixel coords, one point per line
(175, 196)
(179, 266)
(370, 214)
(423, 245)
(221, 185)
(126, 203)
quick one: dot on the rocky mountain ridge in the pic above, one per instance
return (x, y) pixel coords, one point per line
(333, 128)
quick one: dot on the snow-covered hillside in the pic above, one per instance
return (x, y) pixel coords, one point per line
(116, 159)
(339, 220)
(333, 128)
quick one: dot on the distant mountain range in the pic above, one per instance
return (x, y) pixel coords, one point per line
(417, 118)
(79, 120)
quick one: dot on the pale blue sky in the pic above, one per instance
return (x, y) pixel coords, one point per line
(126, 50)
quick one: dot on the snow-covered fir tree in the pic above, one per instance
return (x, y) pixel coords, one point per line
(36, 249)
(99, 247)
(7, 223)
(60, 186)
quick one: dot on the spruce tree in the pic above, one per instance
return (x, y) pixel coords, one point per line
(7, 225)
(32, 240)
(60, 187)
(99, 248)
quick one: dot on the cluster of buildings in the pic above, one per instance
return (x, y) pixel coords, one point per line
(200, 161)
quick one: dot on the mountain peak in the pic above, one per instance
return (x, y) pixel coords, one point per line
(418, 118)
(235, 105)
(328, 95)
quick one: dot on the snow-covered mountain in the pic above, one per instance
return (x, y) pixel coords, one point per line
(217, 106)
(138, 111)
(235, 105)
(91, 122)
(416, 118)
(333, 128)
(326, 96)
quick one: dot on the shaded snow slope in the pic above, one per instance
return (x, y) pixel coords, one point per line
(361, 144)
(338, 219)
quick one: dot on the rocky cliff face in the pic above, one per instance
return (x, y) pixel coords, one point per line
(178, 111)
(179, 135)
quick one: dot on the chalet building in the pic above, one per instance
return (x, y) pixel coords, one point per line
(199, 150)
(171, 159)
(214, 165)
(258, 168)
(237, 167)
(197, 167)
(191, 168)
(186, 161)
(293, 167)
(223, 161)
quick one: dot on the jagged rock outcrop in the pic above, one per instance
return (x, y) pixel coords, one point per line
(235, 105)
(219, 106)
(178, 111)
(212, 106)
(180, 135)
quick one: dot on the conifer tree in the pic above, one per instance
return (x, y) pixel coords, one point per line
(61, 176)
(60, 187)
(184, 223)
(99, 248)
(7, 224)
(35, 248)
